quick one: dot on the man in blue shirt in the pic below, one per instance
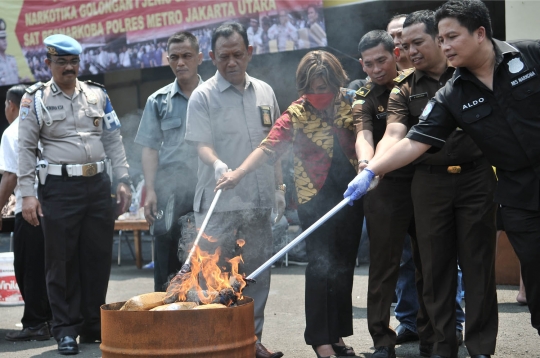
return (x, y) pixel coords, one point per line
(169, 163)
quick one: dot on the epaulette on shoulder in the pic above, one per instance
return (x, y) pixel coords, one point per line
(88, 82)
(404, 74)
(36, 86)
(364, 91)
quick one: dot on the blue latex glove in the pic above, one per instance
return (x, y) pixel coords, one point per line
(359, 186)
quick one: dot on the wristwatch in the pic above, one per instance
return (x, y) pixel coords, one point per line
(126, 180)
(282, 187)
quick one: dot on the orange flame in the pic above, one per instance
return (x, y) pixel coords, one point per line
(204, 268)
(240, 242)
(208, 237)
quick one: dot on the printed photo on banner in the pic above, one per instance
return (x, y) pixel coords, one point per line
(129, 34)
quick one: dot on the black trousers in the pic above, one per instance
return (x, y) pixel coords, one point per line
(29, 264)
(78, 224)
(455, 218)
(523, 230)
(331, 251)
(166, 261)
(389, 217)
(174, 178)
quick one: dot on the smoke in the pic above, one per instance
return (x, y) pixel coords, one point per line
(130, 125)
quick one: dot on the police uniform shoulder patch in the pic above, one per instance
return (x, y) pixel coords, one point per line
(427, 109)
(404, 74)
(88, 82)
(358, 101)
(515, 65)
(36, 86)
(364, 91)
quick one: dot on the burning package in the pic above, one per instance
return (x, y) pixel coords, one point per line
(144, 302)
(221, 287)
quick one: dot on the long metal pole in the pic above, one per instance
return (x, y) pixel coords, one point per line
(203, 226)
(300, 237)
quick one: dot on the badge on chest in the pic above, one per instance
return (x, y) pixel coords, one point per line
(266, 117)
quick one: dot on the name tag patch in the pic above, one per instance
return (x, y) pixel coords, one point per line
(417, 96)
(524, 78)
(55, 108)
(473, 103)
(381, 115)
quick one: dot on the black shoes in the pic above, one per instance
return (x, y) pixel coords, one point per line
(343, 351)
(68, 346)
(319, 356)
(262, 352)
(37, 333)
(384, 352)
(405, 335)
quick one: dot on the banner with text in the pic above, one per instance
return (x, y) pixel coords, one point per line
(127, 34)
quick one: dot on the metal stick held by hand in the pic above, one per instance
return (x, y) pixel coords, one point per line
(185, 271)
(300, 237)
(303, 235)
(203, 227)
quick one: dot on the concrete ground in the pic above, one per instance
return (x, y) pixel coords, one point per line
(284, 324)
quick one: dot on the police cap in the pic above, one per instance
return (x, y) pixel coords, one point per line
(3, 33)
(62, 45)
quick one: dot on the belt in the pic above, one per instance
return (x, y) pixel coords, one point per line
(77, 170)
(451, 169)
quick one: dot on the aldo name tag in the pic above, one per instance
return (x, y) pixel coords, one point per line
(265, 116)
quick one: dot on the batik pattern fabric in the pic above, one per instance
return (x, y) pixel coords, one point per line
(312, 134)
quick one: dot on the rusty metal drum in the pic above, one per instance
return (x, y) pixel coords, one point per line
(212, 333)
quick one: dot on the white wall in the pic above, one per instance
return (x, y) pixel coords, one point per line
(522, 19)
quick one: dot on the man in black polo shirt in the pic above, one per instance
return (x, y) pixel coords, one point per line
(494, 96)
(452, 192)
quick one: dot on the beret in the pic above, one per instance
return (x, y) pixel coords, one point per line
(62, 45)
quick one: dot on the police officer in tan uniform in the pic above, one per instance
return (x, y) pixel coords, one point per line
(9, 72)
(391, 201)
(78, 130)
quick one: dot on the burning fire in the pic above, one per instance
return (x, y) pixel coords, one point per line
(220, 287)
